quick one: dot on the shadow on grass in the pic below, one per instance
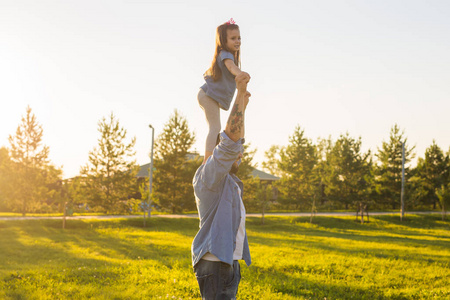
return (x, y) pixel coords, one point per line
(37, 242)
(183, 226)
(30, 245)
(297, 230)
(90, 255)
(363, 252)
(379, 222)
(293, 283)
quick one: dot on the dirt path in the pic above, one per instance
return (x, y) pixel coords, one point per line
(300, 214)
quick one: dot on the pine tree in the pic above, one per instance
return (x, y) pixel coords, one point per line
(251, 184)
(272, 160)
(300, 182)
(5, 177)
(433, 171)
(347, 171)
(443, 194)
(110, 175)
(31, 171)
(323, 148)
(174, 167)
(389, 170)
(247, 166)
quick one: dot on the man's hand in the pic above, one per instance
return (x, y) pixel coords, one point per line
(242, 80)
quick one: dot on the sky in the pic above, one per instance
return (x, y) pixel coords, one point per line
(328, 66)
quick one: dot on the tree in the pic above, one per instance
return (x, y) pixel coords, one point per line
(247, 166)
(5, 177)
(433, 170)
(323, 148)
(109, 178)
(272, 161)
(389, 169)
(31, 172)
(175, 169)
(443, 194)
(300, 182)
(418, 193)
(251, 184)
(264, 195)
(257, 194)
(347, 171)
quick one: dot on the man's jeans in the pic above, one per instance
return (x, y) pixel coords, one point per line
(218, 280)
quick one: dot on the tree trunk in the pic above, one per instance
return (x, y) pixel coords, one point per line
(443, 211)
(361, 208)
(264, 203)
(262, 218)
(312, 209)
(64, 217)
(24, 207)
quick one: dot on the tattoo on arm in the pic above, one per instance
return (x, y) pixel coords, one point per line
(236, 119)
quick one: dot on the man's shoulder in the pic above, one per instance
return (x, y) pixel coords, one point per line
(235, 177)
(197, 174)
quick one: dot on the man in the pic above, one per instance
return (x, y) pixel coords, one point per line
(222, 241)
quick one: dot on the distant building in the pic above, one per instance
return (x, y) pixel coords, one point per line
(264, 177)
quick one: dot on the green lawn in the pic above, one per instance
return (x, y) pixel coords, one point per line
(334, 258)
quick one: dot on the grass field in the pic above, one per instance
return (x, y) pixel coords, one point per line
(334, 258)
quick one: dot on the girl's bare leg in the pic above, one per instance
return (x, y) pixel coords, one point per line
(212, 113)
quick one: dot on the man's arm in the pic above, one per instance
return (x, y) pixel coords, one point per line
(227, 152)
(235, 128)
(219, 163)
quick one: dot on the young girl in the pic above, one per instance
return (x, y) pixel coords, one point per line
(218, 91)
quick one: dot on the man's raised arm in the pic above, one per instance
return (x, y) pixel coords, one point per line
(235, 128)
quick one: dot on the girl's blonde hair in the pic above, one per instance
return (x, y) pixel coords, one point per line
(221, 44)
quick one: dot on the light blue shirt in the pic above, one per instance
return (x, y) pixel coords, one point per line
(223, 89)
(218, 203)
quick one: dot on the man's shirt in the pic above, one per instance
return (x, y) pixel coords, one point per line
(218, 198)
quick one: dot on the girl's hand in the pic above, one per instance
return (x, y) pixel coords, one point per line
(242, 80)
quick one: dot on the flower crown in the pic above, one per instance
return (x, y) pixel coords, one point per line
(231, 21)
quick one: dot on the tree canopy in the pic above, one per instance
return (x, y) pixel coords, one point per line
(390, 165)
(109, 178)
(174, 167)
(30, 171)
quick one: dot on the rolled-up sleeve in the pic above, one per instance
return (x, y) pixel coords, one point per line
(219, 163)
